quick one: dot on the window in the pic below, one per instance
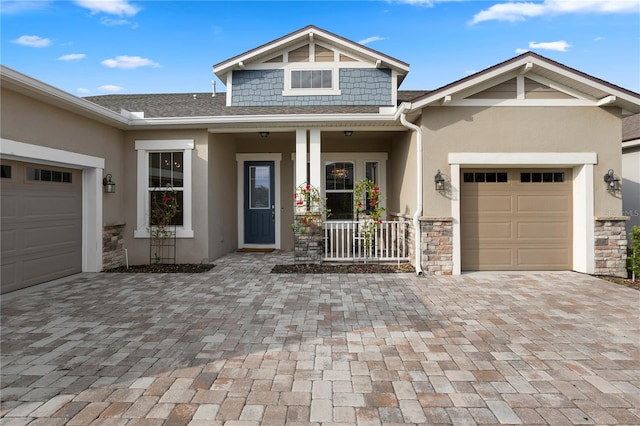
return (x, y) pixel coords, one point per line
(542, 177)
(166, 178)
(164, 165)
(311, 79)
(5, 171)
(45, 175)
(339, 180)
(482, 177)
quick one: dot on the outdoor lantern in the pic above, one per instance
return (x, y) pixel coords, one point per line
(264, 134)
(439, 180)
(348, 132)
(613, 182)
(109, 185)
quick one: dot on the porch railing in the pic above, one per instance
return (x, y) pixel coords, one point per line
(343, 242)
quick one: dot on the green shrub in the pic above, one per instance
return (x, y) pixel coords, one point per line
(633, 260)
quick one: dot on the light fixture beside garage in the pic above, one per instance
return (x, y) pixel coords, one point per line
(613, 182)
(439, 181)
(109, 185)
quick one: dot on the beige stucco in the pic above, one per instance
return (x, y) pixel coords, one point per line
(27, 120)
(631, 186)
(521, 129)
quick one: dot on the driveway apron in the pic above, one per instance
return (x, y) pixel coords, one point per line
(239, 345)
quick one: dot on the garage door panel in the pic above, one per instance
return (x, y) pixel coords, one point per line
(488, 204)
(497, 258)
(46, 206)
(50, 237)
(548, 231)
(544, 257)
(543, 203)
(488, 231)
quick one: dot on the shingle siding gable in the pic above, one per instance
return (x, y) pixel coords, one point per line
(368, 86)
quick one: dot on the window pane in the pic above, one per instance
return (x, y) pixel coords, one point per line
(165, 169)
(467, 177)
(305, 79)
(339, 176)
(502, 177)
(371, 171)
(56, 176)
(558, 177)
(159, 208)
(536, 177)
(316, 79)
(327, 82)
(5, 171)
(525, 177)
(479, 177)
(66, 177)
(491, 177)
(260, 187)
(295, 79)
(45, 175)
(341, 205)
(547, 177)
(154, 170)
(178, 180)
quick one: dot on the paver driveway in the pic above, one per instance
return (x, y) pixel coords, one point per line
(238, 345)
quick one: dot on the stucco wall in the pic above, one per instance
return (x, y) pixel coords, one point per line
(522, 129)
(27, 120)
(401, 174)
(189, 250)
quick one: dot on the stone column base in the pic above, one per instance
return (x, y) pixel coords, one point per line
(610, 246)
(113, 246)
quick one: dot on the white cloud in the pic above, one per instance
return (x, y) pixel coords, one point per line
(520, 11)
(110, 22)
(521, 50)
(598, 38)
(110, 88)
(129, 62)
(371, 40)
(72, 57)
(427, 3)
(558, 46)
(10, 7)
(112, 7)
(32, 41)
(83, 91)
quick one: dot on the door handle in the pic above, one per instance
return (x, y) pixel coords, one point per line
(273, 212)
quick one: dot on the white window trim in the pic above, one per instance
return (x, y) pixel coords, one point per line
(143, 148)
(312, 66)
(583, 197)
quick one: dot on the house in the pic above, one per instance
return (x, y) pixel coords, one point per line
(501, 170)
(631, 170)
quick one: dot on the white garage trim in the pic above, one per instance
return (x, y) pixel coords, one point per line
(583, 200)
(92, 168)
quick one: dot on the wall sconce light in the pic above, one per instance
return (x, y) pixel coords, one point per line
(264, 134)
(439, 181)
(613, 182)
(348, 132)
(109, 185)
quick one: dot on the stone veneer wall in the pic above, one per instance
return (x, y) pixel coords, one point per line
(436, 241)
(437, 245)
(307, 242)
(611, 246)
(113, 246)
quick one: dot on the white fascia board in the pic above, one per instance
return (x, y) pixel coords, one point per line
(30, 152)
(50, 92)
(522, 103)
(273, 119)
(630, 144)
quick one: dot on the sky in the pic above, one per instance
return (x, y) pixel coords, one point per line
(96, 47)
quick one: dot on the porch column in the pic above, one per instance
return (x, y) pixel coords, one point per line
(314, 159)
(301, 157)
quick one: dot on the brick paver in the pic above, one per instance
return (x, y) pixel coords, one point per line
(238, 345)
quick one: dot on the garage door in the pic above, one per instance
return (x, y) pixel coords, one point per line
(41, 223)
(516, 219)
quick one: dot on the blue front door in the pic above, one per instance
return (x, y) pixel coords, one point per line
(259, 203)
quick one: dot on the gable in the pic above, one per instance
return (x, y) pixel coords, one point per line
(530, 80)
(311, 67)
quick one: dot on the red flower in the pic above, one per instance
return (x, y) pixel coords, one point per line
(165, 198)
(380, 221)
(359, 204)
(308, 187)
(295, 196)
(376, 189)
(304, 220)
